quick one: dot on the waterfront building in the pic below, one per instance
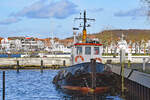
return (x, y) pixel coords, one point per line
(23, 44)
(57, 47)
(5, 44)
(30, 44)
(17, 44)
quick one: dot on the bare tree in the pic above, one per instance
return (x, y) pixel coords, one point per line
(146, 3)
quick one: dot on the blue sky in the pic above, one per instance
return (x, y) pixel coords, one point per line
(41, 18)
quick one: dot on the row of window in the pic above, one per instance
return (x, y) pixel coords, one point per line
(88, 50)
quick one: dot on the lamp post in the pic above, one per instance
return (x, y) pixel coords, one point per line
(74, 34)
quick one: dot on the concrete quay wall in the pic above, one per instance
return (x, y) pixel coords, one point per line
(60, 60)
(135, 59)
(36, 61)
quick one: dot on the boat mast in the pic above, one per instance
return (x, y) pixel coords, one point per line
(84, 25)
(84, 28)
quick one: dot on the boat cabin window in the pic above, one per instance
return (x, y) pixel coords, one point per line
(88, 50)
(79, 50)
(96, 50)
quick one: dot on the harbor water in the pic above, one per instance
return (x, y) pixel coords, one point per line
(10, 55)
(34, 85)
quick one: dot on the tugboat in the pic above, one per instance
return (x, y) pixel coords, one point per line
(87, 75)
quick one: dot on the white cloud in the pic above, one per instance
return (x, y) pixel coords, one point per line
(95, 10)
(133, 13)
(10, 20)
(44, 9)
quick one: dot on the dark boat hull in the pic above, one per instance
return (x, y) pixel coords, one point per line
(78, 78)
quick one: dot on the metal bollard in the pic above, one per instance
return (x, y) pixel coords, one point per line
(64, 63)
(18, 66)
(41, 66)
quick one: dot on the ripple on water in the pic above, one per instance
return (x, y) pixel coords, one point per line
(31, 85)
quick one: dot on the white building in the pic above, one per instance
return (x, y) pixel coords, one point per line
(57, 47)
(31, 44)
(21, 44)
(5, 44)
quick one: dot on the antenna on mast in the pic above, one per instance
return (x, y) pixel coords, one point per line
(85, 19)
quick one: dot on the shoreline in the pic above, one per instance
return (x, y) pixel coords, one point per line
(26, 67)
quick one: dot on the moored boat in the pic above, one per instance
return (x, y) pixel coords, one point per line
(88, 77)
(87, 74)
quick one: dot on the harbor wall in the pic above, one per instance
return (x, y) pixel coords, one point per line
(58, 60)
(36, 61)
(135, 59)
